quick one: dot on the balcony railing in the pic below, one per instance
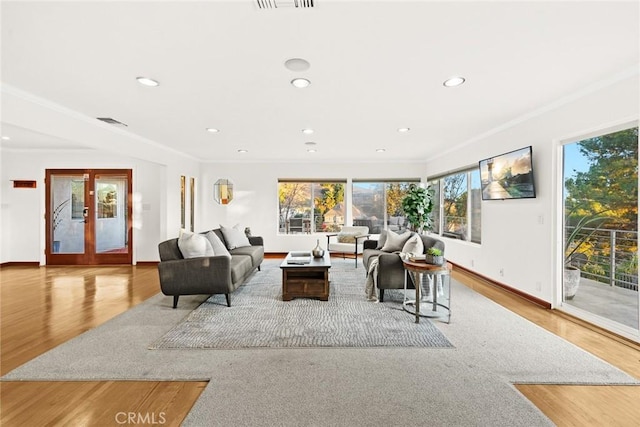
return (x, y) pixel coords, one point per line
(611, 257)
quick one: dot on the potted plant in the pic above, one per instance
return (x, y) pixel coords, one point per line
(417, 205)
(574, 256)
(434, 256)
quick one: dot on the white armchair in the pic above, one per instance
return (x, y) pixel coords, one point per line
(348, 241)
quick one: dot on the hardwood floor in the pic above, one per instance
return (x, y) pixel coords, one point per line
(43, 307)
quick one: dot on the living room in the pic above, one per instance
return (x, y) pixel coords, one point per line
(521, 239)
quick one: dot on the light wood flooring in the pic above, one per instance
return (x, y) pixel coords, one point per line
(43, 307)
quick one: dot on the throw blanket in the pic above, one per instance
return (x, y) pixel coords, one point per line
(372, 281)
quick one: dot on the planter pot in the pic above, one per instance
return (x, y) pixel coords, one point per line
(434, 259)
(570, 282)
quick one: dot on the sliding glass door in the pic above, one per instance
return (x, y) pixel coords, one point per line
(600, 201)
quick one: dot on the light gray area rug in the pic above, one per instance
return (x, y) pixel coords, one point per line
(259, 318)
(471, 384)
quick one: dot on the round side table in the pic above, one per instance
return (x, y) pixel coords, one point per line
(438, 282)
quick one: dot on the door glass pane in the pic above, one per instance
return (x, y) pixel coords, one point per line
(111, 214)
(67, 220)
(601, 226)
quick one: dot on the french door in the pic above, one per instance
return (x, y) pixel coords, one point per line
(88, 216)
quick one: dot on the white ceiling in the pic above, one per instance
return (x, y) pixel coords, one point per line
(375, 66)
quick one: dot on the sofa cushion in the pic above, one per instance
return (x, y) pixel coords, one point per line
(240, 267)
(256, 253)
(234, 236)
(414, 245)
(194, 245)
(395, 242)
(347, 237)
(219, 249)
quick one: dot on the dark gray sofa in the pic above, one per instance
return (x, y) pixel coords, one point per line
(390, 269)
(207, 275)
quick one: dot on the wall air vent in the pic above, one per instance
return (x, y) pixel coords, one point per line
(111, 121)
(277, 4)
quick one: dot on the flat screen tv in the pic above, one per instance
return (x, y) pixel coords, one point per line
(508, 176)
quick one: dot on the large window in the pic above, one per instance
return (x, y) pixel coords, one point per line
(310, 207)
(378, 204)
(457, 208)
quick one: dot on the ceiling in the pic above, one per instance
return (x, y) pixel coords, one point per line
(374, 67)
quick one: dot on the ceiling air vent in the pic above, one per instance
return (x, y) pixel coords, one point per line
(276, 4)
(111, 121)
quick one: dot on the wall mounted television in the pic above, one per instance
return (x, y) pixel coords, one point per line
(508, 176)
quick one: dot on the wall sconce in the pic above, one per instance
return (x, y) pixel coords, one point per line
(223, 191)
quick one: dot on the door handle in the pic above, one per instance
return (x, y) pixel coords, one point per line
(85, 213)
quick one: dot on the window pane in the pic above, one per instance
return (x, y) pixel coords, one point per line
(368, 205)
(396, 219)
(294, 206)
(455, 206)
(435, 213)
(476, 207)
(329, 209)
(378, 205)
(309, 207)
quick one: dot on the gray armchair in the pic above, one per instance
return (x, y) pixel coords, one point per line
(390, 269)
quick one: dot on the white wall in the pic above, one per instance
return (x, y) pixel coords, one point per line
(521, 237)
(255, 202)
(156, 197)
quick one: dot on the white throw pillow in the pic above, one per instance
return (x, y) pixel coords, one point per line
(382, 239)
(234, 236)
(395, 241)
(414, 245)
(194, 245)
(219, 249)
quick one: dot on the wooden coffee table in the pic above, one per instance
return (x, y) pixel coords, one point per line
(306, 280)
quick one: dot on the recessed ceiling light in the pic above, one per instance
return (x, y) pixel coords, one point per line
(309, 143)
(380, 150)
(300, 82)
(147, 81)
(454, 81)
(241, 151)
(213, 130)
(297, 64)
(6, 138)
(307, 131)
(403, 130)
(311, 150)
